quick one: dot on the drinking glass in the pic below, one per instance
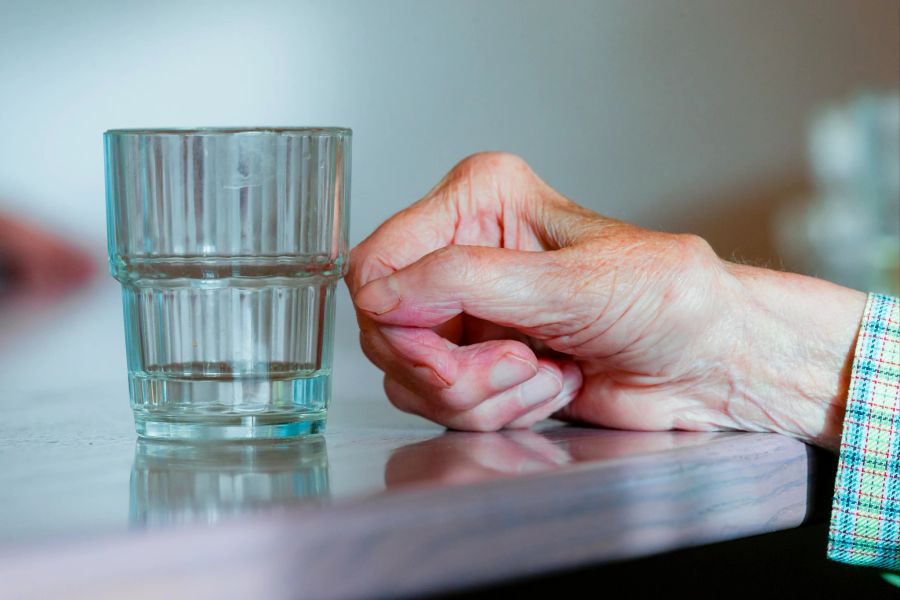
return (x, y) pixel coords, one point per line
(228, 244)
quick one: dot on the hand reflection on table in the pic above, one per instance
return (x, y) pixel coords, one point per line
(173, 482)
(463, 457)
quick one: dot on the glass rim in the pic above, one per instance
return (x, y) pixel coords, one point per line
(219, 131)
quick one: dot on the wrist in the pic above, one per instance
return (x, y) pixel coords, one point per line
(793, 339)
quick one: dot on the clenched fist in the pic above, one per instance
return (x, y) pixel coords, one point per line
(496, 302)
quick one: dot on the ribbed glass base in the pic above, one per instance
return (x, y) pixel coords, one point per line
(240, 428)
(236, 409)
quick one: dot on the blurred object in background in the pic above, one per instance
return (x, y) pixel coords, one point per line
(34, 261)
(848, 231)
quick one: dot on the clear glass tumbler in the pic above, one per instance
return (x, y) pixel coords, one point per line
(228, 244)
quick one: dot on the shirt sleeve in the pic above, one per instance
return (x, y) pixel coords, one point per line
(865, 516)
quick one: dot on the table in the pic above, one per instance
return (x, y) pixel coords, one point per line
(385, 504)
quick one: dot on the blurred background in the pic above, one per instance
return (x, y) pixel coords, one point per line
(735, 120)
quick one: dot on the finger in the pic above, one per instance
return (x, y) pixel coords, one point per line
(427, 368)
(572, 382)
(488, 199)
(474, 330)
(469, 193)
(517, 401)
(401, 240)
(458, 377)
(490, 415)
(525, 290)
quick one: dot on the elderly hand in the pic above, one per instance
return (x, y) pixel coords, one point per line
(496, 302)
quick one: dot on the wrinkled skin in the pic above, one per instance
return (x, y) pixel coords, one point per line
(496, 302)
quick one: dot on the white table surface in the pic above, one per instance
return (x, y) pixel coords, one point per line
(385, 504)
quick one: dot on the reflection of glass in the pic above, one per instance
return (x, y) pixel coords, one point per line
(178, 483)
(228, 244)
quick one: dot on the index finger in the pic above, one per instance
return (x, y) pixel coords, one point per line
(488, 199)
(403, 239)
(471, 205)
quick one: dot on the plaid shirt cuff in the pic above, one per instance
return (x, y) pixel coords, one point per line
(865, 516)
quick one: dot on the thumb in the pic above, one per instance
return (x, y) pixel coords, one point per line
(514, 288)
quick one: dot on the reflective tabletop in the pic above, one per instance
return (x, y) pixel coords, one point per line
(343, 514)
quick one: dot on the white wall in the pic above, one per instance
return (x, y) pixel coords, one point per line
(624, 105)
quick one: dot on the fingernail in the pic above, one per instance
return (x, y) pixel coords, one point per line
(510, 370)
(540, 388)
(379, 296)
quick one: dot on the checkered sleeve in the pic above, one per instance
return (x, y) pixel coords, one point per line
(865, 516)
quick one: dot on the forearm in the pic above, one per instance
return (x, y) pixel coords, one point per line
(793, 348)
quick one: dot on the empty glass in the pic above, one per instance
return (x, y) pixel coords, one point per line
(228, 244)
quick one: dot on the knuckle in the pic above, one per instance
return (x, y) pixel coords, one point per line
(372, 266)
(693, 244)
(688, 253)
(524, 422)
(450, 263)
(361, 256)
(352, 276)
(445, 254)
(456, 400)
(501, 163)
(373, 351)
(397, 396)
(481, 421)
(566, 344)
(506, 162)
(420, 403)
(367, 344)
